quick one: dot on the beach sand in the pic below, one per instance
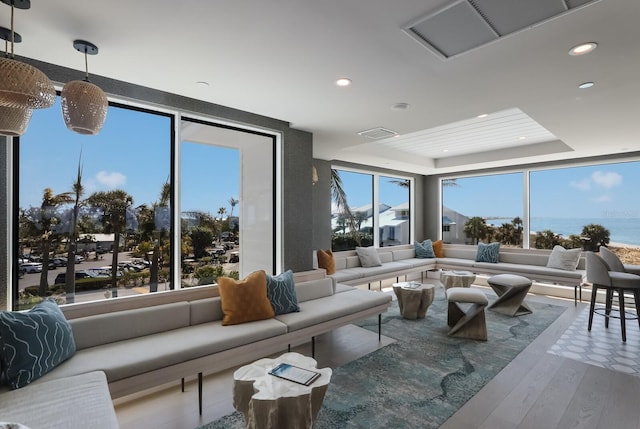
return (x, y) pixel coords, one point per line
(628, 253)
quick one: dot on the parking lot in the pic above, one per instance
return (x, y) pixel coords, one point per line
(33, 279)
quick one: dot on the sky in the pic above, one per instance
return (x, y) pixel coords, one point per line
(359, 189)
(131, 152)
(599, 191)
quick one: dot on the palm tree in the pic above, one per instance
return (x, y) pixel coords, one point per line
(402, 183)
(162, 230)
(48, 218)
(221, 212)
(339, 196)
(476, 229)
(114, 205)
(70, 281)
(450, 183)
(233, 203)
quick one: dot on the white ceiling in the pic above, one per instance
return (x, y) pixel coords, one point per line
(280, 58)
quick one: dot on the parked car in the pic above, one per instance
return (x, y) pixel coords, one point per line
(60, 261)
(82, 274)
(79, 259)
(32, 267)
(234, 257)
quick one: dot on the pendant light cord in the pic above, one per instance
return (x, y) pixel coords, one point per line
(12, 32)
(86, 65)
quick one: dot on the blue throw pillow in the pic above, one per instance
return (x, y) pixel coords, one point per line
(34, 342)
(488, 252)
(281, 292)
(424, 249)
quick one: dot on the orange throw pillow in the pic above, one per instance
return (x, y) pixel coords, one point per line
(438, 249)
(326, 261)
(245, 300)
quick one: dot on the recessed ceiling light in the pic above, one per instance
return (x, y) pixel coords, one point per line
(343, 81)
(202, 83)
(586, 85)
(583, 48)
(400, 106)
(522, 138)
(484, 115)
(445, 150)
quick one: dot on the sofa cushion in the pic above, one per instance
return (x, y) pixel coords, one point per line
(137, 356)
(34, 342)
(205, 310)
(332, 307)
(107, 328)
(368, 256)
(564, 259)
(282, 293)
(81, 401)
(314, 289)
(326, 261)
(488, 252)
(438, 248)
(424, 249)
(245, 300)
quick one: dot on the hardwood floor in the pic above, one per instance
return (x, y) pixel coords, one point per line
(536, 390)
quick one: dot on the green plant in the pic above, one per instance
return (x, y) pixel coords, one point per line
(593, 236)
(208, 274)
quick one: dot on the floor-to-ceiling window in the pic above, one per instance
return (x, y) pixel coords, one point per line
(585, 206)
(97, 217)
(226, 202)
(483, 208)
(89, 221)
(355, 222)
(581, 206)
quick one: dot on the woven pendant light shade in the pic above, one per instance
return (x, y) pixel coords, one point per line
(14, 120)
(22, 85)
(84, 107)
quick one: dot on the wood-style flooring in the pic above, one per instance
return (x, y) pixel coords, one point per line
(536, 390)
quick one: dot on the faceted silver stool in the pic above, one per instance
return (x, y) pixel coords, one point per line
(465, 314)
(511, 290)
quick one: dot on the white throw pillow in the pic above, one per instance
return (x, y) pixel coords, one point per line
(564, 259)
(368, 256)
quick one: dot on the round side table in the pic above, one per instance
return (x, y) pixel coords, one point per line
(457, 279)
(414, 299)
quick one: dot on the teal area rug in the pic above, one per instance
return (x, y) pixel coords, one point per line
(426, 376)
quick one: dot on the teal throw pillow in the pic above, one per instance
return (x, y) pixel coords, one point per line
(488, 252)
(34, 342)
(424, 249)
(281, 292)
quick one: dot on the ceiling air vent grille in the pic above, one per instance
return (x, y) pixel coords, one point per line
(377, 133)
(463, 25)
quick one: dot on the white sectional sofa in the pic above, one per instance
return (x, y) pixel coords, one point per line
(149, 340)
(398, 261)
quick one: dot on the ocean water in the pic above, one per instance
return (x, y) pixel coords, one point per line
(624, 230)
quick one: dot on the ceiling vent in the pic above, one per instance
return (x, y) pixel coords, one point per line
(377, 133)
(467, 24)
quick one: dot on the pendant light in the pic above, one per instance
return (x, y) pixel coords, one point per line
(13, 120)
(84, 105)
(22, 85)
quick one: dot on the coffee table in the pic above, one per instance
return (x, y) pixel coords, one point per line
(414, 299)
(267, 401)
(457, 279)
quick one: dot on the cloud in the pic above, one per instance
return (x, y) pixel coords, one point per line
(583, 185)
(601, 179)
(602, 199)
(606, 180)
(111, 180)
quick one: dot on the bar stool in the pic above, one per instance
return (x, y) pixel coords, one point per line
(599, 276)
